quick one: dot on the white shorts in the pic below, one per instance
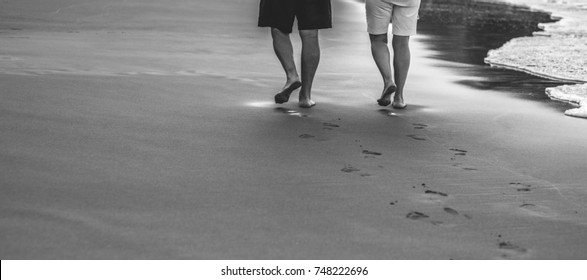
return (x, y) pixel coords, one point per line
(403, 15)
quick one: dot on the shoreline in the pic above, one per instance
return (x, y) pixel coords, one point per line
(528, 54)
(511, 54)
(554, 77)
(465, 34)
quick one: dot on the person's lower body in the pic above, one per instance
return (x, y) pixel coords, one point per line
(312, 15)
(404, 21)
(284, 51)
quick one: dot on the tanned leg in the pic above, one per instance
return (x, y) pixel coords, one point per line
(284, 51)
(310, 61)
(401, 64)
(382, 57)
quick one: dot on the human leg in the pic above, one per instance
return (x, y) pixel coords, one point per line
(280, 16)
(404, 20)
(310, 61)
(401, 64)
(312, 15)
(284, 51)
(378, 17)
(381, 55)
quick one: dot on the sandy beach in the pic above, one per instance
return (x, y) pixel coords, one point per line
(147, 130)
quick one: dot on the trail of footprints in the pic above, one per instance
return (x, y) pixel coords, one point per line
(418, 126)
(457, 153)
(332, 125)
(370, 153)
(434, 195)
(521, 187)
(348, 168)
(509, 249)
(535, 209)
(367, 154)
(325, 126)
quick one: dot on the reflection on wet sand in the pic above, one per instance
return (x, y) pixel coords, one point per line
(463, 32)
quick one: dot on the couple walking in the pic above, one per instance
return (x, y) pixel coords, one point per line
(313, 15)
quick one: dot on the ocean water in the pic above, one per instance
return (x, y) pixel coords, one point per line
(462, 33)
(558, 51)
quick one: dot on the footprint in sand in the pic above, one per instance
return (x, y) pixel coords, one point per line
(329, 126)
(419, 125)
(464, 167)
(431, 192)
(521, 187)
(431, 196)
(416, 137)
(371, 153)
(424, 186)
(310, 136)
(350, 169)
(451, 211)
(368, 153)
(537, 210)
(457, 152)
(419, 216)
(455, 212)
(307, 136)
(511, 248)
(470, 168)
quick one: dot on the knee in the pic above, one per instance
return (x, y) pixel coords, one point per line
(309, 35)
(380, 38)
(401, 42)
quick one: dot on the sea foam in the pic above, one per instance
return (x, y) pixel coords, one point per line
(558, 52)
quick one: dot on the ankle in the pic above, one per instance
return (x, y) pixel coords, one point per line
(292, 77)
(304, 96)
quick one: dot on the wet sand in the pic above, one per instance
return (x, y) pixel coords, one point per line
(465, 33)
(129, 139)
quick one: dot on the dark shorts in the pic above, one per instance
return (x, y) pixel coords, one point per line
(311, 14)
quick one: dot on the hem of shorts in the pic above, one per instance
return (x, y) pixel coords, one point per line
(377, 32)
(314, 28)
(387, 31)
(404, 34)
(299, 28)
(272, 26)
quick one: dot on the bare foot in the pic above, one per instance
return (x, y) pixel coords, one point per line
(398, 102)
(398, 105)
(307, 103)
(386, 96)
(283, 95)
